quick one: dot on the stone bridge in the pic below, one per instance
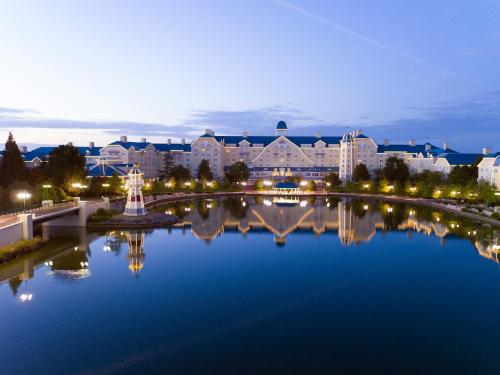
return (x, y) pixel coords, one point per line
(18, 226)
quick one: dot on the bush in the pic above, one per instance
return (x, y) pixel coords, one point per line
(15, 249)
(101, 215)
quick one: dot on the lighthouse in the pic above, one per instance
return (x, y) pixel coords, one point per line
(135, 200)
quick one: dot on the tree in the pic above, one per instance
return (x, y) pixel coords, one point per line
(12, 168)
(461, 175)
(332, 181)
(204, 172)
(168, 165)
(360, 173)
(66, 165)
(395, 169)
(180, 173)
(238, 172)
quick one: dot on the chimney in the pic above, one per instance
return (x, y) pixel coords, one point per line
(123, 138)
(183, 141)
(386, 142)
(209, 132)
(169, 141)
(91, 145)
(412, 142)
(70, 143)
(143, 140)
(428, 147)
(318, 135)
(24, 149)
(486, 150)
(446, 146)
(245, 134)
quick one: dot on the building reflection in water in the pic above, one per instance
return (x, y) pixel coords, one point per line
(355, 221)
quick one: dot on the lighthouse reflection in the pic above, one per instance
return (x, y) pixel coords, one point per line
(353, 222)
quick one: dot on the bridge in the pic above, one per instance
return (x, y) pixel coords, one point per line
(18, 226)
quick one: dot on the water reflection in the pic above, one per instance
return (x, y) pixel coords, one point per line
(354, 221)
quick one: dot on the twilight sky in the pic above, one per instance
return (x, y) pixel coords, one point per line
(93, 70)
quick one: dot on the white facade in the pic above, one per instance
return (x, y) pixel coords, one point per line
(489, 170)
(276, 156)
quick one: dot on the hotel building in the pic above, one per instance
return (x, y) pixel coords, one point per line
(274, 157)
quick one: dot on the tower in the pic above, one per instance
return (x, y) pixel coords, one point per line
(281, 129)
(347, 162)
(135, 200)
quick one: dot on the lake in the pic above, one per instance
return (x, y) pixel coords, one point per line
(259, 285)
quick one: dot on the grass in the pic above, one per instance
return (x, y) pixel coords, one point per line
(101, 215)
(15, 249)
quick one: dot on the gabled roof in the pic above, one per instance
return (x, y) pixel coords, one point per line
(417, 149)
(266, 140)
(460, 159)
(136, 145)
(107, 170)
(92, 151)
(40, 153)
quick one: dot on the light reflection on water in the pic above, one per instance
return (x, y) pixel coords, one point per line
(234, 263)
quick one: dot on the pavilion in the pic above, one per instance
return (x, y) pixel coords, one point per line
(286, 188)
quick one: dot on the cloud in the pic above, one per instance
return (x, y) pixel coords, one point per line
(14, 111)
(253, 120)
(468, 125)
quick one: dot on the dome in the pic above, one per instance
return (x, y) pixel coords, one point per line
(281, 126)
(347, 137)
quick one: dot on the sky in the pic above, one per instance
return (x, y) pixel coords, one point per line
(93, 70)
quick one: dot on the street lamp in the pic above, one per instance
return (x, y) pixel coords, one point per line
(23, 195)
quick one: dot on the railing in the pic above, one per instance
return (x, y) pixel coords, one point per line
(10, 221)
(13, 216)
(55, 208)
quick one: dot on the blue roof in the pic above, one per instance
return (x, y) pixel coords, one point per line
(106, 170)
(43, 152)
(173, 147)
(159, 146)
(281, 125)
(460, 159)
(266, 139)
(88, 151)
(136, 145)
(417, 149)
(40, 153)
(493, 155)
(286, 185)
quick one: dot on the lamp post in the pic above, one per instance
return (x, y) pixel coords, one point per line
(23, 195)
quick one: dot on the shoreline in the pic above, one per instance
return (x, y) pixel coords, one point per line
(394, 198)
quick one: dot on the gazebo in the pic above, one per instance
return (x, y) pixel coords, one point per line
(286, 188)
